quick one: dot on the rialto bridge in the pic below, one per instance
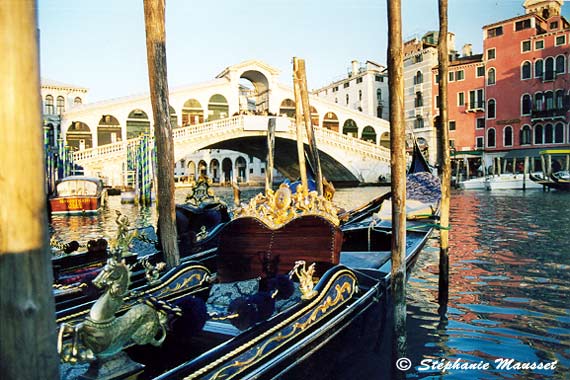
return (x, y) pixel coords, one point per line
(230, 112)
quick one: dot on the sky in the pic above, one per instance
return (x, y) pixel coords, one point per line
(100, 44)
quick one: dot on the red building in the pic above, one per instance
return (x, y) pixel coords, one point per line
(514, 100)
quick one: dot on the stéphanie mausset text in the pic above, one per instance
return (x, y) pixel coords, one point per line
(444, 365)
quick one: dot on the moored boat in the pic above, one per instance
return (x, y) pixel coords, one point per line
(510, 181)
(78, 195)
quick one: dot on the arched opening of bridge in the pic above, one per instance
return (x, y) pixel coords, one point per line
(215, 170)
(350, 128)
(253, 92)
(331, 121)
(137, 124)
(192, 113)
(108, 130)
(79, 136)
(191, 172)
(241, 167)
(202, 168)
(385, 140)
(369, 134)
(227, 171)
(314, 117)
(217, 107)
(173, 117)
(287, 108)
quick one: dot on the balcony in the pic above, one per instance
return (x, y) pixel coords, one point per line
(475, 107)
(552, 114)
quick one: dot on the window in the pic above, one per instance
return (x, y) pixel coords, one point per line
(336, 100)
(538, 68)
(538, 134)
(452, 125)
(437, 101)
(419, 122)
(560, 64)
(525, 70)
(49, 105)
(559, 133)
(549, 100)
(539, 45)
(436, 78)
(525, 46)
(521, 25)
(508, 136)
(480, 123)
(476, 99)
(77, 100)
(559, 99)
(538, 101)
(549, 69)
(548, 134)
(419, 102)
(452, 144)
(379, 95)
(452, 76)
(491, 77)
(494, 32)
(360, 95)
(335, 89)
(491, 138)
(554, 25)
(347, 99)
(359, 80)
(460, 98)
(526, 104)
(418, 58)
(491, 109)
(346, 85)
(60, 105)
(479, 142)
(560, 40)
(460, 75)
(525, 135)
(419, 78)
(480, 72)
(378, 78)
(490, 54)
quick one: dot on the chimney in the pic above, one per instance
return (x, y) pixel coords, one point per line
(354, 67)
(467, 50)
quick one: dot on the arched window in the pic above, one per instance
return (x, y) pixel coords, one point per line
(526, 70)
(559, 133)
(549, 68)
(49, 105)
(548, 134)
(419, 78)
(560, 64)
(538, 101)
(559, 100)
(538, 130)
(491, 77)
(379, 95)
(526, 104)
(419, 122)
(549, 100)
(491, 138)
(538, 68)
(491, 109)
(60, 105)
(525, 135)
(508, 136)
(77, 100)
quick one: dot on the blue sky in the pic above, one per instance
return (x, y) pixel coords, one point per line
(100, 44)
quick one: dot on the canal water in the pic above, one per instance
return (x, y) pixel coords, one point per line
(509, 282)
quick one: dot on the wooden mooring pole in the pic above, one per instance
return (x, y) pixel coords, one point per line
(301, 75)
(298, 122)
(27, 310)
(445, 161)
(154, 19)
(270, 153)
(398, 174)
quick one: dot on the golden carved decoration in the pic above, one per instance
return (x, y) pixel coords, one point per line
(200, 192)
(277, 208)
(305, 276)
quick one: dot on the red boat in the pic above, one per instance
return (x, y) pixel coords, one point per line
(78, 195)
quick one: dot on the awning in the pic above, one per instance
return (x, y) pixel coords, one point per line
(522, 153)
(467, 153)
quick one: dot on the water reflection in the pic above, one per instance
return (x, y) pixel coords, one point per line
(509, 279)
